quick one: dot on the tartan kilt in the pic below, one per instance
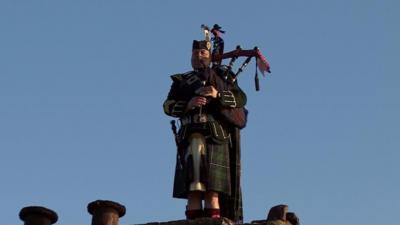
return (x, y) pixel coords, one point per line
(217, 168)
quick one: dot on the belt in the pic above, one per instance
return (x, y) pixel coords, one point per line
(197, 118)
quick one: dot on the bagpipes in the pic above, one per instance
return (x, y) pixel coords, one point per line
(218, 54)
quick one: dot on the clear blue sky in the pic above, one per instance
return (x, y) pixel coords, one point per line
(82, 85)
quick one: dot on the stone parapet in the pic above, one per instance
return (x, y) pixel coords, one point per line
(199, 221)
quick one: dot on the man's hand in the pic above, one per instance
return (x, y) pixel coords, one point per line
(207, 91)
(196, 102)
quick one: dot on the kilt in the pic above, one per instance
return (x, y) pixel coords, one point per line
(217, 168)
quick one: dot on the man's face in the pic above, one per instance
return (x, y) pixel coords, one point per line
(200, 59)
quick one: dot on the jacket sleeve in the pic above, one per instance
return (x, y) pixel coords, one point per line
(233, 98)
(173, 106)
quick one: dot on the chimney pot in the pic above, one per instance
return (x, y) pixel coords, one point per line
(105, 212)
(37, 215)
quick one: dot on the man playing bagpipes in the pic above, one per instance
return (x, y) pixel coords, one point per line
(210, 107)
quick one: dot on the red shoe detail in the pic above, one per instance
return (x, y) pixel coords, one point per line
(213, 213)
(194, 213)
